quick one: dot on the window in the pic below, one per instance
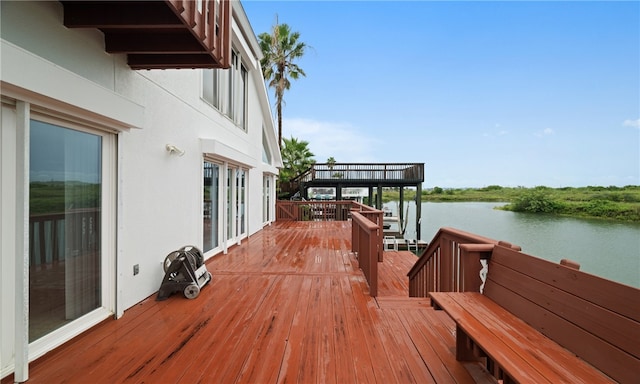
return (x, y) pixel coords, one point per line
(66, 217)
(266, 198)
(240, 201)
(231, 85)
(235, 200)
(241, 109)
(229, 192)
(210, 87)
(266, 153)
(224, 208)
(211, 196)
(226, 90)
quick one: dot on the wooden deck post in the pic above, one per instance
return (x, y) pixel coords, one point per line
(366, 241)
(470, 267)
(445, 281)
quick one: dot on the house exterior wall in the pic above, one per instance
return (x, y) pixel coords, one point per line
(154, 199)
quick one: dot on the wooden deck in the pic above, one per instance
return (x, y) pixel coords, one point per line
(289, 305)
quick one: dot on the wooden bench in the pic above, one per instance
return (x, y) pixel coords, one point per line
(541, 322)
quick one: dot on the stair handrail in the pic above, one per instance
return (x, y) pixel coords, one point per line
(452, 262)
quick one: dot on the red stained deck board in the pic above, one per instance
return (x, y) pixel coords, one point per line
(287, 305)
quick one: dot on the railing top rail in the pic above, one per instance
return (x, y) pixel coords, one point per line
(316, 202)
(367, 165)
(472, 237)
(459, 236)
(364, 208)
(363, 222)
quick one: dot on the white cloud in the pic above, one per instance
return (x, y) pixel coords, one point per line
(631, 123)
(341, 140)
(545, 132)
(496, 132)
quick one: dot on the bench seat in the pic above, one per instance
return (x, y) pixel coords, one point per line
(538, 321)
(515, 351)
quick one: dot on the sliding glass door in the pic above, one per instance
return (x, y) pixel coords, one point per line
(224, 219)
(211, 217)
(65, 221)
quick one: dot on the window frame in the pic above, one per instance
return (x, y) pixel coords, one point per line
(108, 222)
(229, 91)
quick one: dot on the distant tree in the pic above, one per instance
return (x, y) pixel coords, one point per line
(535, 201)
(296, 158)
(331, 162)
(280, 50)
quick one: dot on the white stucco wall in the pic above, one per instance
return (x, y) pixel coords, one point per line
(158, 196)
(27, 23)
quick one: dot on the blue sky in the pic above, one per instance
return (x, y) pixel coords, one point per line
(505, 93)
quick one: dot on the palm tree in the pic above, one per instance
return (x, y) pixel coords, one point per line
(296, 158)
(280, 49)
(331, 162)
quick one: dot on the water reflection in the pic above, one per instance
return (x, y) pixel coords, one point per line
(604, 248)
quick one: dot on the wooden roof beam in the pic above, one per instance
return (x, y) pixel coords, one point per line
(161, 43)
(161, 61)
(129, 15)
(159, 34)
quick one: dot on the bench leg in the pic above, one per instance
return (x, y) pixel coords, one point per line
(464, 346)
(467, 350)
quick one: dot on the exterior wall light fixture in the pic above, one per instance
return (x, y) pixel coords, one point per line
(173, 150)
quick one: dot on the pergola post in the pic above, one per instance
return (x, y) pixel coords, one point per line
(418, 209)
(401, 209)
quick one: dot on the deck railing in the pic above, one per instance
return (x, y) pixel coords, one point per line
(407, 172)
(52, 236)
(453, 262)
(313, 210)
(329, 211)
(375, 216)
(210, 22)
(366, 228)
(365, 242)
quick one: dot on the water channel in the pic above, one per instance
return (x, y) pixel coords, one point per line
(604, 248)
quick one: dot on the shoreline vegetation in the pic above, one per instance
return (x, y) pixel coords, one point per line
(611, 203)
